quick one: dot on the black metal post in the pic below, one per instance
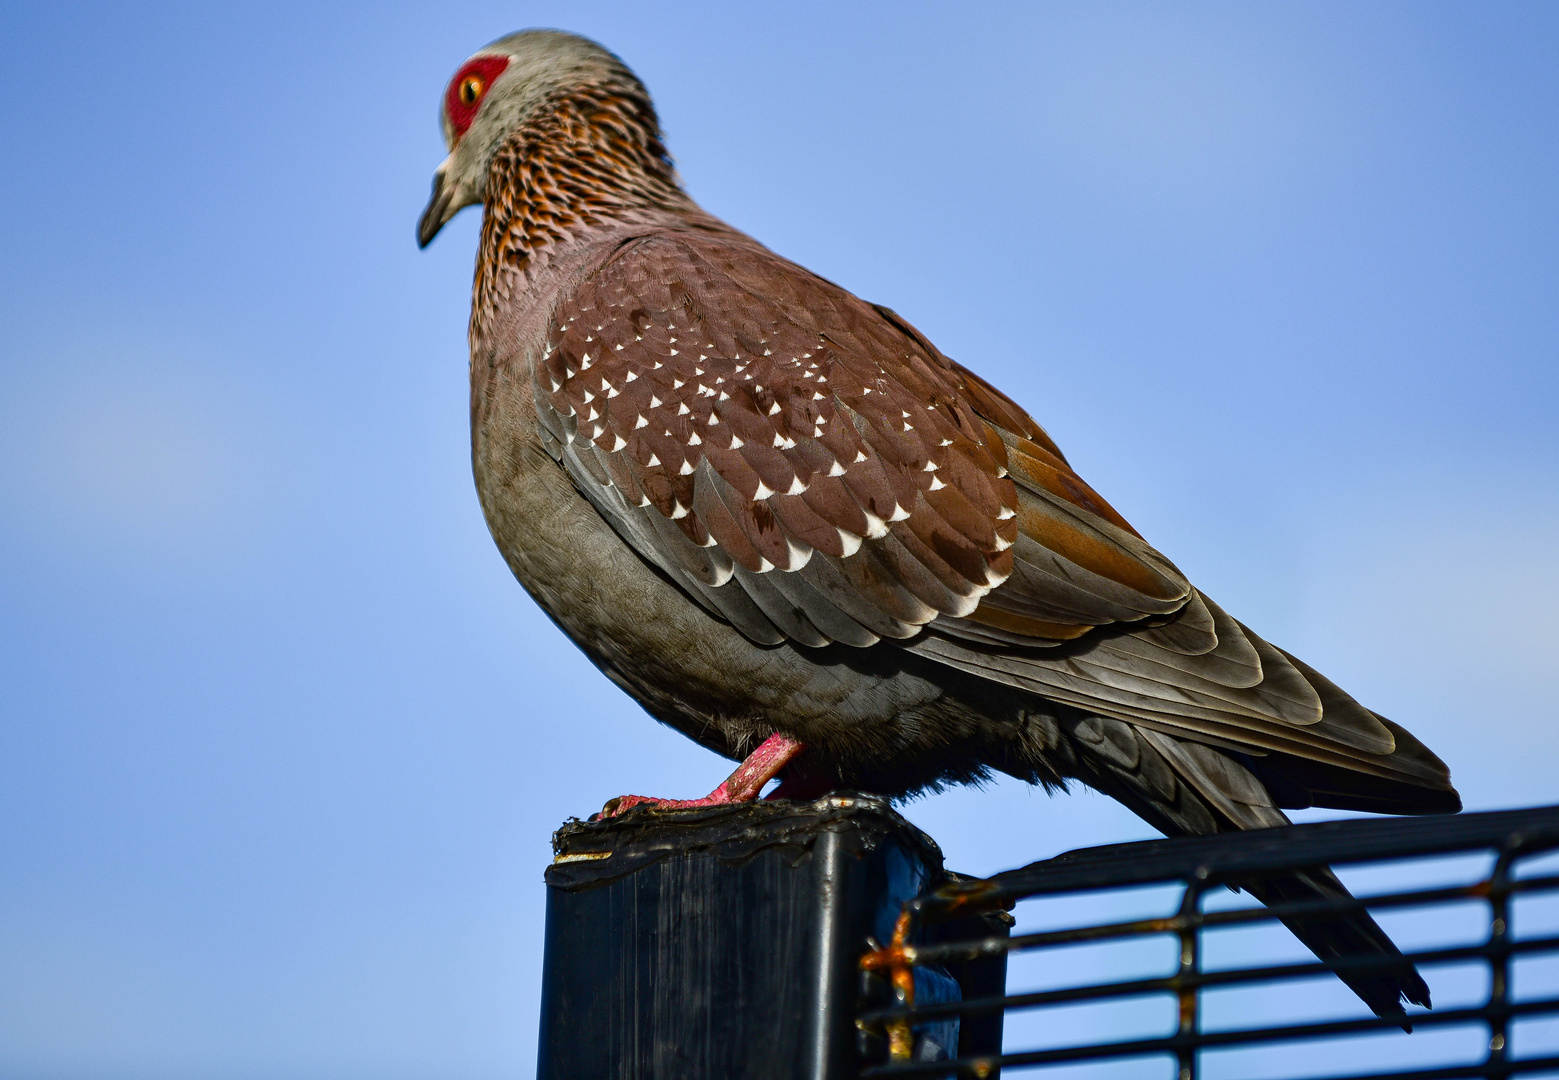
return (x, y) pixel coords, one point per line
(724, 943)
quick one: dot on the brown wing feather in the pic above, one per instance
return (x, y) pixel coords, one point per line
(785, 436)
(811, 468)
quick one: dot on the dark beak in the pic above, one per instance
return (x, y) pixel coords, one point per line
(437, 213)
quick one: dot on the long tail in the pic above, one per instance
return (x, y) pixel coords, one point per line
(1188, 789)
(1345, 937)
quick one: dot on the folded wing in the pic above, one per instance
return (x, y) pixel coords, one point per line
(811, 469)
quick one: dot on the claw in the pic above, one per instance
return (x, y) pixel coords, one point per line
(743, 785)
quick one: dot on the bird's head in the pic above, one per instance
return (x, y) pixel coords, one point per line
(495, 92)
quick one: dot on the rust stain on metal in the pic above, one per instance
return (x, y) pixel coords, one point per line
(901, 1042)
(896, 953)
(1187, 1009)
(898, 958)
(976, 895)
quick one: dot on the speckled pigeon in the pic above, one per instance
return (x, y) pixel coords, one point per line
(794, 530)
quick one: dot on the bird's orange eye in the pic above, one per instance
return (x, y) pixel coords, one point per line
(468, 88)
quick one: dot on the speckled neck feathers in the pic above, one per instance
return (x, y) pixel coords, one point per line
(591, 156)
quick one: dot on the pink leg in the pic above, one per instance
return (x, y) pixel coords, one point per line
(743, 785)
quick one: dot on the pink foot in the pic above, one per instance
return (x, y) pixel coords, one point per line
(743, 785)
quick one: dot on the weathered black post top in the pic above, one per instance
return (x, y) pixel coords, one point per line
(725, 943)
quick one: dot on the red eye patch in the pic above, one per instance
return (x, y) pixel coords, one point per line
(467, 89)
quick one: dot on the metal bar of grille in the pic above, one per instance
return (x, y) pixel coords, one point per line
(1140, 987)
(1451, 1072)
(1334, 843)
(1240, 1037)
(933, 954)
(1499, 1008)
(1188, 999)
(1199, 864)
(1455, 1072)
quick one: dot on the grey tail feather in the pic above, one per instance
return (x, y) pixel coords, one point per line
(1345, 937)
(1182, 788)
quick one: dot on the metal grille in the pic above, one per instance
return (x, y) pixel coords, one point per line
(1471, 899)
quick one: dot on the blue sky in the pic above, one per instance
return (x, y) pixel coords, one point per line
(282, 743)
